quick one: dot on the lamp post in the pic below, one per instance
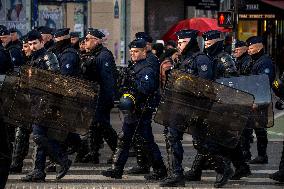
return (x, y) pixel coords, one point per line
(34, 13)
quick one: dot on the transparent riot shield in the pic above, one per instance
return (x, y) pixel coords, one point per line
(49, 99)
(204, 108)
(259, 86)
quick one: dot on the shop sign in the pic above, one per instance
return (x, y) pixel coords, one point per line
(256, 16)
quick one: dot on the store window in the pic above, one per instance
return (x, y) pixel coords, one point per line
(246, 29)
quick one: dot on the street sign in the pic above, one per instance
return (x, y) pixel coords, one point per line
(225, 19)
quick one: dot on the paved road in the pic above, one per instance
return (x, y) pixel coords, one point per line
(88, 176)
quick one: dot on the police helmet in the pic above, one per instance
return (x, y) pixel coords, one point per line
(127, 103)
(278, 88)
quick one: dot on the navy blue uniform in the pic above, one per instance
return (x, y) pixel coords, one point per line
(144, 86)
(41, 134)
(100, 67)
(244, 64)
(5, 63)
(262, 64)
(15, 54)
(69, 61)
(154, 61)
(200, 65)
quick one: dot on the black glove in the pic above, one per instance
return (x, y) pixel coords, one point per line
(279, 105)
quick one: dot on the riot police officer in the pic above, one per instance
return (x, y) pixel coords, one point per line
(5, 64)
(68, 57)
(243, 60)
(262, 64)
(244, 66)
(22, 134)
(142, 86)
(224, 65)
(14, 50)
(143, 165)
(151, 58)
(99, 66)
(15, 37)
(47, 37)
(69, 62)
(278, 88)
(45, 144)
(196, 63)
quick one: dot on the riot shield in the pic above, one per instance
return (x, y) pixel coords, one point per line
(204, 108)
(259, 86)
(49, 99)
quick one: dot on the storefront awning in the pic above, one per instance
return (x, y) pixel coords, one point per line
(275, 3)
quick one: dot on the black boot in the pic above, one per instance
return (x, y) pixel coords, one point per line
(223, 169)
(95, 142)
(173, 181)
(194, 174)
(115, 173)
(259, 160)
(20, 150)
(279, 175)
(51, 167)
(34, 176)
(242, 171)
(159, 171)
(142, 155)
(63, 169)
(82, 151)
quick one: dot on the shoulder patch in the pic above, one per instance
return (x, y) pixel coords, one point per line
(267, 70)
(204, 67)
(146, 77)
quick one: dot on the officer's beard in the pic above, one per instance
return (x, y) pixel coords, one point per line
(214, 49)
(61, 45)
(257, 55)
(191, 47)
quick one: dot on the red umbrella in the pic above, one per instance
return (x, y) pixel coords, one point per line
(200, 24)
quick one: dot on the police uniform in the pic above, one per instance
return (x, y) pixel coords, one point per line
(17, 42)
(5, 64)
(41, 134)
(100, 67)
(68, 57)
(278, 88)
(224, 65)
(209, 152)
(143, 164)
(142, 87)
(46, 30)
(244, 62)
(196, 63)
(22, 135)
(15, 52)
(262, 64)
(151, 58)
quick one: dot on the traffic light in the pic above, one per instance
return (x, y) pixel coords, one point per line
(225, 19)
